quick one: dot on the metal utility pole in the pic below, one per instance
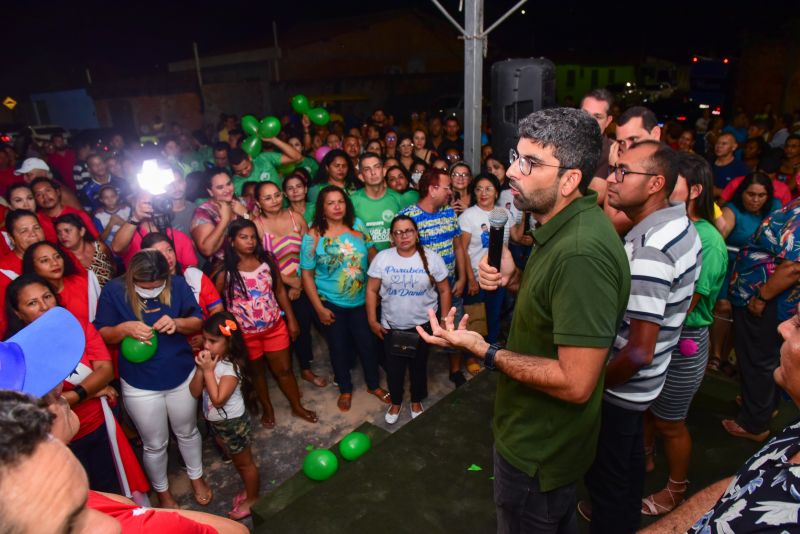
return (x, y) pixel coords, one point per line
(475, 44)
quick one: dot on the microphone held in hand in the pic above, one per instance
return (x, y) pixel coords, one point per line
(497, 224)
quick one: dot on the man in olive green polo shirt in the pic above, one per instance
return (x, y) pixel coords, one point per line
(572, 296)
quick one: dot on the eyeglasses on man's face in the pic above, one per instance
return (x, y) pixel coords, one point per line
(526, 163)
(621, 172)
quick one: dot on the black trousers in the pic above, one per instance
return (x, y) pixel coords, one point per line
(523, 507)
(616, 479)
(396, 366)
(757, 343)
(94, 452)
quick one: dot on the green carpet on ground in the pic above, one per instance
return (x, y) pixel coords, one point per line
(435, 474)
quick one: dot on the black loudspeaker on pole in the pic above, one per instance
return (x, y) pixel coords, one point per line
(519, 87)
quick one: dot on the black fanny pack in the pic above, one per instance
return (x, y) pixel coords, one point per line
(403, 343)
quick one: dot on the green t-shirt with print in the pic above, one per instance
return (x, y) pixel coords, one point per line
(265, 169)
(377, 214)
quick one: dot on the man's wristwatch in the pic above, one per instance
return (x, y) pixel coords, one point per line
(133, 221)
(246, 216)
(488, 358)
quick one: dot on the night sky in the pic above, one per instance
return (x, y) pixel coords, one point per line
(48, 43)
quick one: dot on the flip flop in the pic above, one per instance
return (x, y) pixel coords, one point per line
(204, 500)
(238, 515)
(237, 500)
(312, 419)
(269, 424)
(734, 429)
(318, 381)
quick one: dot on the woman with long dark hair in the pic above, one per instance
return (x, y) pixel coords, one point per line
(251, 286)
(28, 298)
(295, 188)
(333, 260)
(336, 169)
(78, 292)
(402, 311)
(94, 255)
(752, 201)
(281, 233)
(211, 218)
(406, 156)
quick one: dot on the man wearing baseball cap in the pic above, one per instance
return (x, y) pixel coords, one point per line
(33, 168)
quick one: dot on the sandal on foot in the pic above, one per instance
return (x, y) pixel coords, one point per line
(383, 395)
(237, 515)
(713, 364)
(238, 499)
(734, 429)
(344, 402)
(311, 417)
(203, 500)
(268, 423)
(652, 508)
(317, 380)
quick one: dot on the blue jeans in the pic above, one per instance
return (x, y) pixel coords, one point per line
(522, 507)
(350, 330)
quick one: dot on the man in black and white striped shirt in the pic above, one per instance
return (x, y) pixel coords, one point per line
(664, 252)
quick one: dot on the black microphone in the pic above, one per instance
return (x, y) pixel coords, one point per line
(497, 226)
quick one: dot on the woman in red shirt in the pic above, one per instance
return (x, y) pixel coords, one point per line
(78, 292)
(29, 297)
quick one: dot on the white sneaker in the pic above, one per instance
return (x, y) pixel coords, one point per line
(391, 418)
(414, 414)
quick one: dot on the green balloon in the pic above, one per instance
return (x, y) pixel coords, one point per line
(252, 145)
(354, 445)
(286, 170)
(249, 125)
(319, 116)
(269, 127)
(300, 104)
(320, 464)
(137, 351)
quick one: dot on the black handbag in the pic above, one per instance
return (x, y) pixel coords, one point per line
(404, 343)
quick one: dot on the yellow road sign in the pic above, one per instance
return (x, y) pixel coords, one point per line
(10, 103)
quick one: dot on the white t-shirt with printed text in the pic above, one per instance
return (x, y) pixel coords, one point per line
(406, 291)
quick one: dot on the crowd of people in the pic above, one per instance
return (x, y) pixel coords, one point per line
(661, 244)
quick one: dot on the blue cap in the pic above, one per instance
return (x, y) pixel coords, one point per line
(40, 356)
